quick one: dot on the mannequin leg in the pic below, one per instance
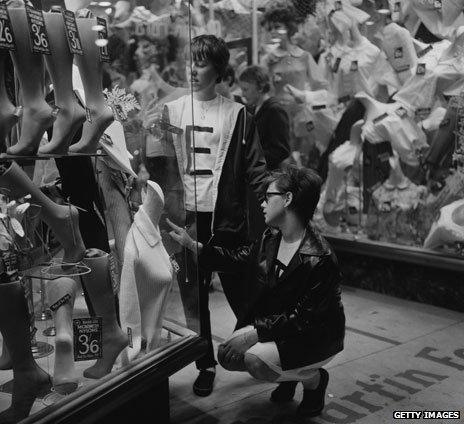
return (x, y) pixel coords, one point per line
(64, 375)
(30, 380)
(8, 113)
(99, 288)
(63, 220)
(59, 65)
(37, 115)
(90, 68)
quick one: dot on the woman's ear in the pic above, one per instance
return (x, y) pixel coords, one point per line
(288, 198)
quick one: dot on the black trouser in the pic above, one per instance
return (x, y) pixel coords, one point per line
(192, 286)
(192, 280)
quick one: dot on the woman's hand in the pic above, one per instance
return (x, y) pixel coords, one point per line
(181, 236)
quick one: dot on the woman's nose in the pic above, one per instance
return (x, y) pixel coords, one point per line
(263, 204)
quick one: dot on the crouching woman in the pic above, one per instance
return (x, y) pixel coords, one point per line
(294, 323)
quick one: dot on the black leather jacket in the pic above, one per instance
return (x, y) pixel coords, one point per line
(244, 166)
(301, 311)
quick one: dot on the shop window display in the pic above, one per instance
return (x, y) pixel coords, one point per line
(374, 95)
(75, 312)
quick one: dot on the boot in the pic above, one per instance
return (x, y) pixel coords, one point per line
(63, 220)
(9, 114)
(100, 116)
(59, 64)
(284, 392)
(37, 115)
(29, 380)
(100, 291)
(314, 400)
(64, 375)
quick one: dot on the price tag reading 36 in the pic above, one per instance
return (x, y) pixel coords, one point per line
(87, 338)
(7, 40)
(37, 31)
(72, 33)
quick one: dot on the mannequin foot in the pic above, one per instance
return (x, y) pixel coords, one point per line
(65, 127)
(27, 386)
(5, 359)
(113, 343)
(9, 116)
(65, 226)
(92, 131)
(64, 377)
(35, 121)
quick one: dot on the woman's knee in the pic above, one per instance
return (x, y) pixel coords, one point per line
(258, 369)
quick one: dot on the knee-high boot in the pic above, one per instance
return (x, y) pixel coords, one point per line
(100, 291)
(30, 380)
(64, 375)
(63, 220)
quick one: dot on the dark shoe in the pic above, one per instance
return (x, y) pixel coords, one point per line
(284, 392)
(314, 400)
(203, 385)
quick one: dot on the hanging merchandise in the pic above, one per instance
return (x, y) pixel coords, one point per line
(393, 211)
(441, 17)
(352, 63)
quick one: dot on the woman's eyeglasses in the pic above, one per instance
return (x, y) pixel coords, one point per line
(269, 194)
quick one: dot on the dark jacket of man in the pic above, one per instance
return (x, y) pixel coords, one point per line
(301, 311)
(274, 132)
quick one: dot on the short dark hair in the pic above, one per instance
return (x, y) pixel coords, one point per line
(256, 75)
(305, 185)
(229, 73)
(282, 14)
(214, 49)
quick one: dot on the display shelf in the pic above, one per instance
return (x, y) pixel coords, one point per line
(409, 254)
(114, 392)
(48, 157)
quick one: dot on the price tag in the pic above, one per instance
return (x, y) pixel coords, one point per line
(37, 31)
(60, 302)
(354, 66)
(103, 35)
(437, 4)
(380, 118)
(401, 112)
(10, 266)
(87, 338)
(420, 69)
(336, 65)
(309, 126)
(338, 5)
(7, 40)
(422, 53)
(319, 107)
(72, 33)
(398, 53)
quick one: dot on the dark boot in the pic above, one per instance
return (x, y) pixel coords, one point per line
(314, 400)
(284, 392)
